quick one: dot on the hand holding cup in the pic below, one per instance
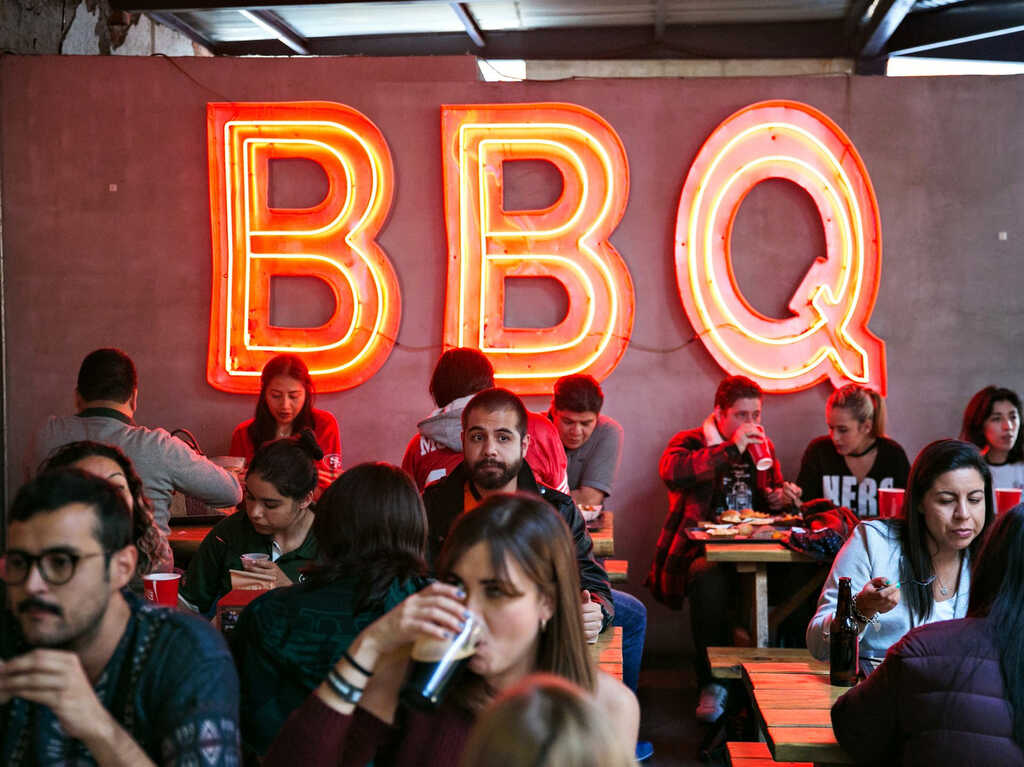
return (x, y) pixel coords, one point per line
(747, 434)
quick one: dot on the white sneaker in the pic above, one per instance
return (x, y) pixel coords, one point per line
(711, 703)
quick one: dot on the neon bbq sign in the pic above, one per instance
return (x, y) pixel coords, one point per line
(334, 241)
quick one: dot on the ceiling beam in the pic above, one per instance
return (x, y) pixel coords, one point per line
(957, 25)
(818, 39)
(278, 27)
(885, 17)
(207, 5)
(472, 29)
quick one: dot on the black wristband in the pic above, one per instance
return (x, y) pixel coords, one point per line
(352, 662)
(341, 687)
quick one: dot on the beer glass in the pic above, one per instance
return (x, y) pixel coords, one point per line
(437, 663)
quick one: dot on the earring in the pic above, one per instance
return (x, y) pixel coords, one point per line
(543, 625)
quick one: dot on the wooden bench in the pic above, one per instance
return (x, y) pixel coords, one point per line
(756, 755)
(607, 651)
(726, 661)
(617, 569)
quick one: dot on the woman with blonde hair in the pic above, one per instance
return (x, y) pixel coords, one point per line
(510, 563)
(855, 458)
(544, 721)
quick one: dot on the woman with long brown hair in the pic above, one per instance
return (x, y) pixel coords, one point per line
(111, 464)
(283, 409)
(510, 563)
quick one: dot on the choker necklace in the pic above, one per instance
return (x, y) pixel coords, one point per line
(865, 451)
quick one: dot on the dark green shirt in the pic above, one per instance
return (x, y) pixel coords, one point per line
(208, 578)
(287, 640)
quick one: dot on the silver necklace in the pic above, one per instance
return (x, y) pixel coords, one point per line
(942, 588)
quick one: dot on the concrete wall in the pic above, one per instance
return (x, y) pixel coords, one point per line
(107, 242)
(89, 27)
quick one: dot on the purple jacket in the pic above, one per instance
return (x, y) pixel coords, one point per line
(937, 699)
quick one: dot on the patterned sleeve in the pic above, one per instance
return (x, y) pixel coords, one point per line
(198, 721)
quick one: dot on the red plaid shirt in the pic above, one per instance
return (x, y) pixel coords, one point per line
(692, 470)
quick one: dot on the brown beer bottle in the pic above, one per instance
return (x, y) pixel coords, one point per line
(844, 640)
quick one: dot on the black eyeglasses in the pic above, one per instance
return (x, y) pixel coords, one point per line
(56, 566)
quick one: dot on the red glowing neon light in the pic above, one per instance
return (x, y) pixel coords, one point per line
(332, 241)
(567, 241)
(827, 336)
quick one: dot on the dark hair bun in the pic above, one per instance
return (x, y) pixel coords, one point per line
(307, 441)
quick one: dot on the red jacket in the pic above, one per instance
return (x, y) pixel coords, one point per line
(427, 460)
(324, 427)
(690, 468)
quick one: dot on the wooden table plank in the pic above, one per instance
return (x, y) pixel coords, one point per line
(607, 651)
(793, 706)
(617, 569)
(775, 680)
(186, 539)
(604, 535)
(722, 551)
(797, 717)
(726, 661)
(754, 558)
(815, 744)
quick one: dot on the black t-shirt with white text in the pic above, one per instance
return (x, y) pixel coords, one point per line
(824, 474)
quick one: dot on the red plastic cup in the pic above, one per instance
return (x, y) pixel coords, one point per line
(890, 502)
(161, 588)
(759, 452)
(1006, 498)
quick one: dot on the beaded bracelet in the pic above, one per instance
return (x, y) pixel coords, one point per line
(341, 687)
(352, 662)
(872, 621)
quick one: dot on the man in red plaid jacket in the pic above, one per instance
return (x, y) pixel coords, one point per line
(709, 470)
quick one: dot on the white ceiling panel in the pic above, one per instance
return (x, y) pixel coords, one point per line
(369, 19)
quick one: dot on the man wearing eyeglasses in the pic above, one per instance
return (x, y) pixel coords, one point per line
(89, 673)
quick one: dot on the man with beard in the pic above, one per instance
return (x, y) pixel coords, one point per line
(89, 673)
(494, 442)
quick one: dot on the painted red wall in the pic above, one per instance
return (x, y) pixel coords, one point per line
(87, 267)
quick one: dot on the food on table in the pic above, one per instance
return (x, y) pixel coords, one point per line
(732, 517)
(788, 520)
(760, 520)
(723, 532)
(751, 514)
(745, 529)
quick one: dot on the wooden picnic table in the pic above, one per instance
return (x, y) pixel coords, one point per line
(754, 558)
(793, 704)
(602, 533)
(185, 540)
(607, 651)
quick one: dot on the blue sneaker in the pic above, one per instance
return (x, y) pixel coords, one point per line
(644, 750)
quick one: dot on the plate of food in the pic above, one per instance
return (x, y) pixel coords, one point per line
(590, 512)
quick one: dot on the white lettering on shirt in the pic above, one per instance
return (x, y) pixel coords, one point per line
(849, 492)
(867, 498)
(830, 484)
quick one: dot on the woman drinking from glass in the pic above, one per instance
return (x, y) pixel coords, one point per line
(372, 536)
(913, 570)
(509, 564)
